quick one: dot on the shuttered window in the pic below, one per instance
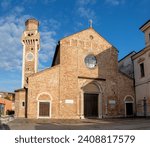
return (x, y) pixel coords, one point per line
(44, 109)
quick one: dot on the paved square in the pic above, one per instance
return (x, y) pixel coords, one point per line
(86, 124)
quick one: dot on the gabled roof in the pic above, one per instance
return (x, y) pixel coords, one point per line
(143, 27)
(141, 52)
(86, 30)
(58, 45)
(133, 52)
(7, 92)
(21, 89)
(44, 70)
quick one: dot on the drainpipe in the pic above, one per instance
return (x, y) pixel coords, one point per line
(145, 107)
(26, 101)
(135, 105)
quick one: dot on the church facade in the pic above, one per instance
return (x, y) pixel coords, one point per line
(83, 82)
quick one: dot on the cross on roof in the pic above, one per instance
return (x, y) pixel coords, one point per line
(91, 23)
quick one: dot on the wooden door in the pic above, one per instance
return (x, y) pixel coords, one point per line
(129, 109)
(90, 105)
(44, 109)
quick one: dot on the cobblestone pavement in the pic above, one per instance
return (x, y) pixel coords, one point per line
(86, 124)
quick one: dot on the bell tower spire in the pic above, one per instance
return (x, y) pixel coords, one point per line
(31, 44)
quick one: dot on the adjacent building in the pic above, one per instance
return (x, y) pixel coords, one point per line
(141, 62)
(7, 100)
(84, 80)
(126, 65)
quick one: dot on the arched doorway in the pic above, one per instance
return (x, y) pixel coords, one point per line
(92, 101)
(129, 106)
(44, 105)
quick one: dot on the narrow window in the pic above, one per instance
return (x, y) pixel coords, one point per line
(142, 69)
(23, 104)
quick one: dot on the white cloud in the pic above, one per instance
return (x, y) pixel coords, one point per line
(11, 29)
(48, 43)
(47, 46)
(18, 10)
(84, 9)
(115, 2)
(50, 24)
(86, 12)
(48, 1)
(5, 4)
(33, 2)
(9, 84)
(85, 2)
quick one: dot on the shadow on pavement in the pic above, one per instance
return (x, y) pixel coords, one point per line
(4, 127)
(86, 124)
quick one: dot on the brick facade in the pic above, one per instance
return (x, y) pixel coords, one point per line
(20, 96)
(64, 86)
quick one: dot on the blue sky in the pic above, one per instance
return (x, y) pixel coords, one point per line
(118, 21)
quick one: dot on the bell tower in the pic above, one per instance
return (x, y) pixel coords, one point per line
(31, 44)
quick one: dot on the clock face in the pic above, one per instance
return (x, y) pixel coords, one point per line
(29, 56)
(90, 61)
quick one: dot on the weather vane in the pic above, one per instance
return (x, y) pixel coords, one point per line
(91, 23)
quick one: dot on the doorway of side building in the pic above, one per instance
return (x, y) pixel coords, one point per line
(129, 106)
(44, 109)
(90, 105)
(129, 109)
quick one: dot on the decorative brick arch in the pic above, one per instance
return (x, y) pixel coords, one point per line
(98, 85)
(129, 100)
(44, 93)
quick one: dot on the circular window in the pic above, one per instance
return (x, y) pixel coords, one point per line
(90, 61)
(91, 37)
(30, 56)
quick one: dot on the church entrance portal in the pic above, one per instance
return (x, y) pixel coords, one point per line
(90, 105)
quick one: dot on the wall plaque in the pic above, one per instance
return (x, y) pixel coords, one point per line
(69, 101)
(112, 102)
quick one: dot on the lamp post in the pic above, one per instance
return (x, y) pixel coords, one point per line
(145, 106)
